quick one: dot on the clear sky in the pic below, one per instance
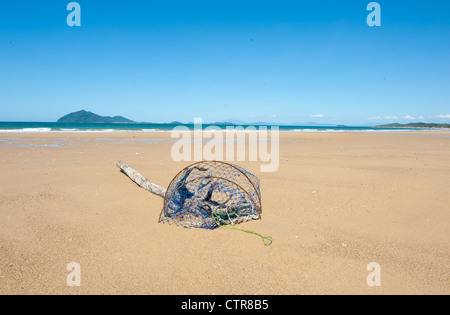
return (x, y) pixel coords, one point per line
(277, 61)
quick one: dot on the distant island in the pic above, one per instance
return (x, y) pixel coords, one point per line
(416, 125)
(85, 117)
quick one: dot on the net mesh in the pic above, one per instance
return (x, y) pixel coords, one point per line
(212, 194)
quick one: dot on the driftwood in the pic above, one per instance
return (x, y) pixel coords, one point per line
(141, 180)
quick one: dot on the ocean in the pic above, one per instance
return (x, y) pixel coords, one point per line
(51, 127)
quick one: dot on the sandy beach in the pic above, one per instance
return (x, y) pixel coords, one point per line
(338, 202)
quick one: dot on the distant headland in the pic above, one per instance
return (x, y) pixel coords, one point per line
(415, 125)
(85, 117)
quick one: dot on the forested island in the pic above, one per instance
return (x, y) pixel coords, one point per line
(85, 117)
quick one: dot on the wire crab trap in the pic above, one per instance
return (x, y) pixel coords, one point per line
(207, 195)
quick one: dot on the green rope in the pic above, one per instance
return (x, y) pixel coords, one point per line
(267, 240)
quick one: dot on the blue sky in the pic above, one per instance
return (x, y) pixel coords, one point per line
(277, 61)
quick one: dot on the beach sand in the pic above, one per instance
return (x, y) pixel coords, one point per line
(338, 202)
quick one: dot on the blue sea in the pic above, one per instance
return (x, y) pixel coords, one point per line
(52, 127)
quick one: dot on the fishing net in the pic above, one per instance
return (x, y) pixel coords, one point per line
(212, 194)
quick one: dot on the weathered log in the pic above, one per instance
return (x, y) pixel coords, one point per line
(141, 180)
